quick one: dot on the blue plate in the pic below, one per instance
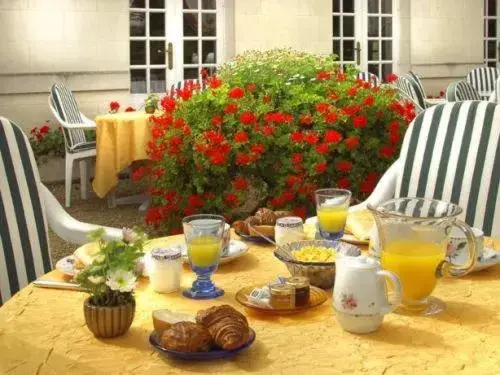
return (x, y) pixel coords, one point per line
(257, 239)
(201, 356)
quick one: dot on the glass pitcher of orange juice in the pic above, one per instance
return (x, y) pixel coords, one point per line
(413, 237)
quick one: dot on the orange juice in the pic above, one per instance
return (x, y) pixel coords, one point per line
(415, 262)
(204, 251)
(332, 218)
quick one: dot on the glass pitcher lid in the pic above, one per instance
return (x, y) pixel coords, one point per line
(417, 208)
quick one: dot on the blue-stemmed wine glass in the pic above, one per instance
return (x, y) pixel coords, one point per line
(204, 238)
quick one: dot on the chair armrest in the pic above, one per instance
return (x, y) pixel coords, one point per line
(86, 120)
(66, 226)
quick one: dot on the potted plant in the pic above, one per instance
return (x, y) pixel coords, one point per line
(151, 103)
(111, 280)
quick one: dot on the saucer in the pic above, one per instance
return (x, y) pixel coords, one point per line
(66, 265)
(488, 258)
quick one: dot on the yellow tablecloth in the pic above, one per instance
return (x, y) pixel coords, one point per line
(43, 331)
(121, 139)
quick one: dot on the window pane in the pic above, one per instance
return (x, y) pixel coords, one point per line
(157, 4)
(210, 69)
(191, 73)
(209, 52)
(336, 6)
(137, 3)
(348, 6)
(157, 24)
(372, 26)
(209, 24)
(492, 28)
(190, 4)
(373, 68)
(373, 50)
(138, 81)
(157, 80)
(208, 4)
(157, 52)
(386, 69)
(386, 50)
(386, 26)
(137, 52)
(336, 25)
(492, 7)
(492, 64)
(137, 24)
(190, 52)
(387, 6)
(190, 24)
(373, 6)
(348, 50)
(492, 51)
(336, 48)
(348, 26)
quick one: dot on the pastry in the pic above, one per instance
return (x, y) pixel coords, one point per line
(164, 319)
(253, 220)
(186, 337)
(227, 326)
(261, 230)
(240, 227)
(266, 216)
(280, 214)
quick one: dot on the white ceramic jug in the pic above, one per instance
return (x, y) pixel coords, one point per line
(360, 294)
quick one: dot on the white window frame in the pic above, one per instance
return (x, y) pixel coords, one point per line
(487, 38)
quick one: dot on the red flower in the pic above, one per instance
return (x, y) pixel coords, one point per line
(387, 152)
(292, 180)
(300, 211)
(218, 158)
(343, 166)
(372, 176)
(251, 87)
(242, 159)
(34, 130)
(369, 100)
(332, 136)
(367, 186)
(333, 95)
(186, 130)
(214, 137)
(341, 77)
(241, 137)
(138, 173)
(39, 136)
(297, 137)
(268, 130)
(322, 107)
(391, 77)
(231, 200)
(360, 122)
(322, 75)
(214, 82)
(157, 172)
(196, 200)
(179, 123)
(203, 72)
(351, 110)
(44, 129)
(257, 148)
(352, 142)
(297, 158)
(306, 119)
(322, 148)
(248, 117)
(168, 104)
(288, 196)
(266, 99)
(352, 91)
(276, 202)
(236, 93)
(393, 126)
(240, 183)
(344, 183)
(130, 109)
(231, 108)
(114, 106)
(331, 117)
(311, 138)
(321, 167)
(216, 120)
(394, 137)
(153, 216)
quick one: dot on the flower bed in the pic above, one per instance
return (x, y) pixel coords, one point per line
(281, 123)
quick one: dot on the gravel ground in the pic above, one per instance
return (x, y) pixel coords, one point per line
(95, 211)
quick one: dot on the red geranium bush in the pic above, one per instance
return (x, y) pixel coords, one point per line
(280, 123)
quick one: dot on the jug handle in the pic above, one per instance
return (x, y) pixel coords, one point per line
(397, 290)
(447, 268)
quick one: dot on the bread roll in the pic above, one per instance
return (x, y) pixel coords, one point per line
(164, 319)
(187, 337)
(266, 216)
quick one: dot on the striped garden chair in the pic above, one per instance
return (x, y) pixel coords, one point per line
(483, 80)
(63, 106)
(406, 89)
(369, 77)
(450, 152)
(26, 208)
(460, 91)
(419, 89)
(495, 95)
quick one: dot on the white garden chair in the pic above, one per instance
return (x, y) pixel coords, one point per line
(483, 80)
(407, 91)
(65, 109)
(461, 91)
(26, 207)
(369, 77)
(495, 95)
(450, 152)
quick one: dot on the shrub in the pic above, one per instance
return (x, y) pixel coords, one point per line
(281, 123)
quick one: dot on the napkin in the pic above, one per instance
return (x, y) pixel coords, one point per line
(360, 224)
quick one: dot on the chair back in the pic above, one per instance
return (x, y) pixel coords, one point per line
(483, 79)
(369, 77)
(24, 248)
(465, 91)
(450, 92)
(451, 152)
(417, 87)
(406, 89)
(64, 104)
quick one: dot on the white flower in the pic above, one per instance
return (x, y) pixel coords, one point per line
(96, 279)
(129, 236)
(121, 280)
(288, 83)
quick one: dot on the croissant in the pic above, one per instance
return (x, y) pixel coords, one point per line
(227, 326)
(266, 216)
(280, 214)
(186, 337)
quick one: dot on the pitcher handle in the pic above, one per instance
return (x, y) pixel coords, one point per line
(396, 283)
(452, 270)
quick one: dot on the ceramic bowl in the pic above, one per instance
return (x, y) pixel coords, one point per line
(320, 274)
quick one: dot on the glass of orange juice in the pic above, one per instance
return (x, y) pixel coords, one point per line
(331, 208)
(413, 237)
(204, 239)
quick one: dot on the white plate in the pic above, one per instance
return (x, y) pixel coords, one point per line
(66, 265)
(489, 258)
